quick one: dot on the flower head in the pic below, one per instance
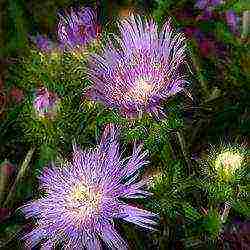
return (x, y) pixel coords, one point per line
(43, 43)
(136, 72)
(77, 28)
(232, 20)
(227, 160)
(85, 196)
(206, 4)
(207, 7)
(7, 169)
(45, 103)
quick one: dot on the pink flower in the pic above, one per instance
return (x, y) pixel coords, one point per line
(45, 103)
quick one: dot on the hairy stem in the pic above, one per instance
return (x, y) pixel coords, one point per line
(226, 210)
(20, 175)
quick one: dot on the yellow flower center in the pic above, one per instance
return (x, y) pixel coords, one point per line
(85, 200)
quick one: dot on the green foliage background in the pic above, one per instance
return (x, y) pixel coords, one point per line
(188, 198)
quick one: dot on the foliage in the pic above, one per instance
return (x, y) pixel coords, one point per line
(194, 204)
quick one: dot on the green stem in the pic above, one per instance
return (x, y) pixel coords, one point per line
(20, 175)
(183, 149)
(227, 206)
(197, 67)
(2, 104)
(225, 212)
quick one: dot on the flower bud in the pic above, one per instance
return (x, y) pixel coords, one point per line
(45, 103)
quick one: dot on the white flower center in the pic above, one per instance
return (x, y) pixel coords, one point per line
(229, 161)
(140, 91)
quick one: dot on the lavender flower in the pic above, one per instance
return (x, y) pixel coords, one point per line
(77, 28)
(83, 197)
(232, 20)
(207, 7)
(206, 4)
(136, 73)
(45, 103)
(43, 43)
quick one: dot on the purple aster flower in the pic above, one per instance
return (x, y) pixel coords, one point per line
(136, 72)
(207, 7)
(215, 2)
(45, 103)
(232, 20)
(43, 43)
(205, 4)
(85, 196)
(77, 28)
(201, 4)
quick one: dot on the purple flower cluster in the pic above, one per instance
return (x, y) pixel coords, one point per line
(136, 72)
(85, 196)
(206, 4)
(206, 42)
(232, 20)
(77, 28)
(45, 103)
(207, 7)
(43, 43)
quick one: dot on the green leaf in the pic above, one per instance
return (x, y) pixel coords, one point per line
(212, 223)
(241, 5)
(242, 207)
(190, 212)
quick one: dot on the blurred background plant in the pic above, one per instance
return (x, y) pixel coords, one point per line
(200, 204)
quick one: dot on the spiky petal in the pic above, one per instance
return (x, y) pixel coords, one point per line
(77, 28)
(84, 197)
(136, 72)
